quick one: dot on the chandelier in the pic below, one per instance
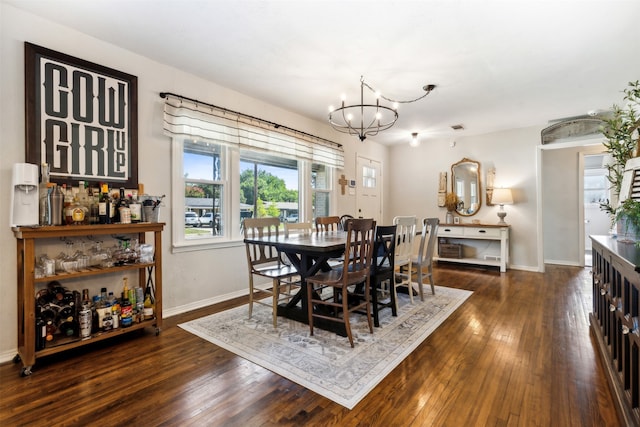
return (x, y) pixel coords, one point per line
(366, 120)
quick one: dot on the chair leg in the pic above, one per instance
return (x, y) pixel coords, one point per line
(345, 314)
(250, 295)
(274, 305)
(420, 282)
(310, 307)
(367, 299)
(430, 274)
(409, 283)
(392, 296)
(374, 304)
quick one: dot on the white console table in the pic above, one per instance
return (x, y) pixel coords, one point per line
(482, 244)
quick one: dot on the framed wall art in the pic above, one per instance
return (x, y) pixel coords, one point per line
(81, 119)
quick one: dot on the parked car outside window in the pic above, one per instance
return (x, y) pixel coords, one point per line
(292, 218)
(191, 219)
(206, 219)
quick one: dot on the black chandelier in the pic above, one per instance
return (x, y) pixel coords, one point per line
(366, 120)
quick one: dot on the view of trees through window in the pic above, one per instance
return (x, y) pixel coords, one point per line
(268, 187)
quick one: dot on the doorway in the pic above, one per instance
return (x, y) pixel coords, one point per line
(369, 200)
(595, 190)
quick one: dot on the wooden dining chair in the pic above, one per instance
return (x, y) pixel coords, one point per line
(343, 221)
(327, 223)
(424, 258)
(264, 260)
(383, 272)
(338, 281)
(297, 228)
(405, 235)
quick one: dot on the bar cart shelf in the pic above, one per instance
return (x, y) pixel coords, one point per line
(27, 238)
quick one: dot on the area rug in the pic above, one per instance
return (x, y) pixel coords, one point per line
(325, 362)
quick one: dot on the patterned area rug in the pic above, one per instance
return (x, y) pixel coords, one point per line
(325, 362)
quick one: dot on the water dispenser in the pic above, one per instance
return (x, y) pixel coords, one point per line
(24, 195)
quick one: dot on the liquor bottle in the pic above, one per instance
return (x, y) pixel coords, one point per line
(67, 204)
(85, 315)
(148, 307)
(136, 207)
(120, 203)
(57, 203)
(94, 199)
(84, 201)
(41, 329)
(45, 215)
(104, 207)
(126, 312)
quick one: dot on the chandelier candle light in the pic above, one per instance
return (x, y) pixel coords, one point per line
(502, 196)
(366, 120)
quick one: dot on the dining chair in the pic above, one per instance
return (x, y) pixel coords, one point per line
(424, 259)
(327, 223)
(343, 221)
(297, 228)
(405, 235)
(264, 260)
(383, 271)
(338, 281)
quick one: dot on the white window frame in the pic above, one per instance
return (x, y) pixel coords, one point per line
(230, 165)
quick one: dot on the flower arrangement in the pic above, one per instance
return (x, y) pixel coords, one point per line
(451, 201)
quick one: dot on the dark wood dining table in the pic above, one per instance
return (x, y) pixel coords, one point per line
(309, 254)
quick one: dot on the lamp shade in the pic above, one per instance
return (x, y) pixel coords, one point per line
(502, 196)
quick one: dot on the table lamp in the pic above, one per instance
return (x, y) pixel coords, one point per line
(502, 196)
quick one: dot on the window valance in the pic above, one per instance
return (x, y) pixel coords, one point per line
(194, 119)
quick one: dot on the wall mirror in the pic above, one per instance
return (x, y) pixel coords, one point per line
(465, 183)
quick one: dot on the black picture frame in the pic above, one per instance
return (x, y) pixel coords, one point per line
(81, 118)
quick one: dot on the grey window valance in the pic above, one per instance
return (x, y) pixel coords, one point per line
(194, 119)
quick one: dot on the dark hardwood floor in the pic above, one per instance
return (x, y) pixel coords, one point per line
(518, 352)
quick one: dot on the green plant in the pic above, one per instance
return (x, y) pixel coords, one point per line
(622, 142)
(629, 214)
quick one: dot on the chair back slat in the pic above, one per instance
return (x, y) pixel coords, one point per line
(259, 254)
(384, 248)
(327, 223)
(358, 250)
(405, 235)
(297, 228)
(428, 240)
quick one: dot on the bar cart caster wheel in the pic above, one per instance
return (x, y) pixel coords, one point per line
(26, 371)
(16, 358)
(157, 331)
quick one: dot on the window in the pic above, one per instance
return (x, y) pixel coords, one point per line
(321, 190)
(268, 186)
(228, 166)
(199, 190)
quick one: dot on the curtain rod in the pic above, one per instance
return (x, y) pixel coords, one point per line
(275, 125)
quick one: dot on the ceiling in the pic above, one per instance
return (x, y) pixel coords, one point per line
(497, 64)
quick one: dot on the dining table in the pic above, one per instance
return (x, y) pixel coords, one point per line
(309, 254)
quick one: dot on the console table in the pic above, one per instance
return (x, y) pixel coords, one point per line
(481, 244)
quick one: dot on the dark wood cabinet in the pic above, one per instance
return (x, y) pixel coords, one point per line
(614, 320)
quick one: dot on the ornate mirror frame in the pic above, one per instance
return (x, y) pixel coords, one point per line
(465, 183)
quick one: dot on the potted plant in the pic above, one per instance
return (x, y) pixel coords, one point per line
(628, 216)
(621, 133)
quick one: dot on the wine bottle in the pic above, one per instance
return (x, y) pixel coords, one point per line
(104, 206)
(41, 330)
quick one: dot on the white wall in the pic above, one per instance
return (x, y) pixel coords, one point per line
(512, 153)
